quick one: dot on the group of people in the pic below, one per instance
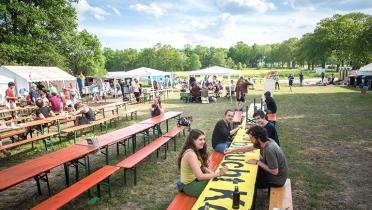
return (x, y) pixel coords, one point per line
(193, 164)
(58, 101)
(214, 89)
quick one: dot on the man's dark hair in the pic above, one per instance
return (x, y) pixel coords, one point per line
(259, 113)
(39, 103)
(54, 94)
(11, 84)
(258, 132)
(228, 110)
(267, 94)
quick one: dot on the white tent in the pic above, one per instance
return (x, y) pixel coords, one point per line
(365, 70)
(216, 70)
(3, 86)
(138, 73)
(23, 75)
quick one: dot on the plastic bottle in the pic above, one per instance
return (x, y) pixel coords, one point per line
(236, 196)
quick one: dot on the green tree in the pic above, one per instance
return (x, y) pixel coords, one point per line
(194, 62)
(218, 57)
(85, 55)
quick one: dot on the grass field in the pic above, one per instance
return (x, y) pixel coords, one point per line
(325, 132)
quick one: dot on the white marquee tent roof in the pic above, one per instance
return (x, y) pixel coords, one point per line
(140, 72)
(215, 70)
(365, 70)
(5, 80)
(38, 73)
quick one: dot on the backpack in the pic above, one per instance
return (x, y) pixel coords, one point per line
(183, 121)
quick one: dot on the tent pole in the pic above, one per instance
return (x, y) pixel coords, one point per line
(229, 78)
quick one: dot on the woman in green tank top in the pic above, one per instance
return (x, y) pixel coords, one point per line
(193, 165)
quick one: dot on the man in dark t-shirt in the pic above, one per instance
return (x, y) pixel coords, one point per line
(42, 111)
(272, 165)
(222, 132)
(259, 116)
(270, 103)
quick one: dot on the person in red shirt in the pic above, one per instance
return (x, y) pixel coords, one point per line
(10, 97)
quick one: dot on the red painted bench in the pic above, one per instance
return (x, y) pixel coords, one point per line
(173, 133)
(185, 202)
(70, 193)
(131, 162)
(35, 138)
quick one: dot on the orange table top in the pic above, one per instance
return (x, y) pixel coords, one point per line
(161, 118)
(26, 170)
(115, 136)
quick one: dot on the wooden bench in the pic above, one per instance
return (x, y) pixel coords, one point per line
(35, 138)
(281, 197)
(173, 133)
(131, 112)
(186, 202)
(70, 193)
(131, 162)
(12, 134)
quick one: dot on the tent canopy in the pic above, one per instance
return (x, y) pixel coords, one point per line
(365, 70)
(38, 73)
(140, 72)
(5, 80)
(215, 70)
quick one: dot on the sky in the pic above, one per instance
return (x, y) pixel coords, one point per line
(122, 24)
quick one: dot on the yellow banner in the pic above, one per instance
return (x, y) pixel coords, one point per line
(218, 192)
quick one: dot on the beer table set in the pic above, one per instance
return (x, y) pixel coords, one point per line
(219, 191)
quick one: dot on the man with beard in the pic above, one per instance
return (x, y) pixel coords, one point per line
(272, 164)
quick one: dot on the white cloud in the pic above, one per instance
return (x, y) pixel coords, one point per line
(151, 9)
(116, 11)
(83, 7)
(244, 6)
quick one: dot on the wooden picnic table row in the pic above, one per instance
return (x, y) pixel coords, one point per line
(40, 167)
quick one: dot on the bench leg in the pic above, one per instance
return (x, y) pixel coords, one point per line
(165, 150)
(157, 153)
(125, 176)
(134, 142)
(42, 177)
(67, 174)
(99, 190)
(135, 175)
(174, 143)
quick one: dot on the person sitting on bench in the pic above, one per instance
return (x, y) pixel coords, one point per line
(272, 166)
(195, 93)
(222, 133)
(193, 165)
(259, 116)
(156, 108)
(270, 103)
(87, 114)
(43, 111)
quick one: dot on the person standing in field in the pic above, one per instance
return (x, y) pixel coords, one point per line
(10, 97)
(290, 82)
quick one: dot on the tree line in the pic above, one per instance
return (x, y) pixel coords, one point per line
(340, 40)
(44, 33)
